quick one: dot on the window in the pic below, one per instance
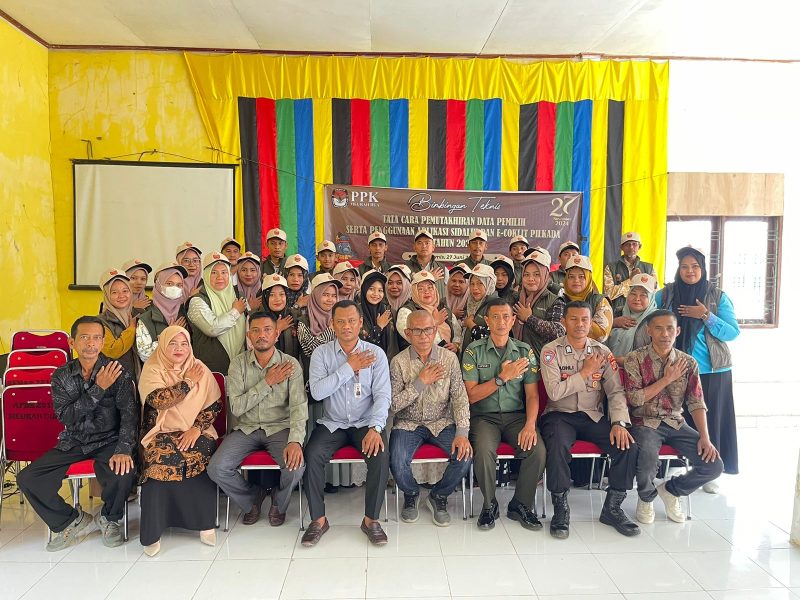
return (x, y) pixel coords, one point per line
(743, 259)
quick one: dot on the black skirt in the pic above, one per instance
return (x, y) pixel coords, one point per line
(721, 417)
(189, 504)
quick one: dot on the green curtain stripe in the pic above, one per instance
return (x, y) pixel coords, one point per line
(473, 159)
(287, 188)
(565, 119)
(379, 142)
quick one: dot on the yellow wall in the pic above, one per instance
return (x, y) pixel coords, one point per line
(125, 102)
(30, 292)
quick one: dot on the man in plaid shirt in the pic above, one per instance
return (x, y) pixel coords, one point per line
(658, 380)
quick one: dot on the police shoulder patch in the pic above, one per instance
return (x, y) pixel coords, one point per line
(548, 356)
(612, 361)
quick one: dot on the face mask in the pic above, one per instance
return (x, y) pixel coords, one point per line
(171, 292)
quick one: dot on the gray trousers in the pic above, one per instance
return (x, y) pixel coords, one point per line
(224, 465)
(684, 440)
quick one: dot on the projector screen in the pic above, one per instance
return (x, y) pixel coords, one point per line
(126, 210)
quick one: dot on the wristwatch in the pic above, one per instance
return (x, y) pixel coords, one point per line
(377, 428)
(621, 424)
(498, 381)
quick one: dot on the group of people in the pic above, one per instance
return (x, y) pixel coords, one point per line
(386, 358)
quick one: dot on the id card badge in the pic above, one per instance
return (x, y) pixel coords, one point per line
(357, 390)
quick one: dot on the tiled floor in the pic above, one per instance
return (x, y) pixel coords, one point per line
(736, 547)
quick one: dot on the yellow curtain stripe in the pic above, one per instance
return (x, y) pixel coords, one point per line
(418, 142)
(323, 162)
(509, 148)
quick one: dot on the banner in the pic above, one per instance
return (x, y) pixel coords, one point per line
(353, 212)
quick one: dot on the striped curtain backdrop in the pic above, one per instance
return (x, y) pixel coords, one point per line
(438, 144)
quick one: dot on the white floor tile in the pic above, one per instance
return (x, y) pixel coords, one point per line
(691, 536)
(465, 539)
(29, 546)
(668, 596)
(176, 581)
(408, 539)
(341, 541)
(522, 597)
(259, 541)
(763, 594)
(403, 576)
(783, 565)
(535, 542)
(244, 580)
(651, 573)
(747, 533)
(567, 573)
(724, 570)
(79, 581)
(325, 578)
(602, 539)
(584, 597)
(19, 578)
(182, 545)
(492, 575)
(17, 517)
(92, 550)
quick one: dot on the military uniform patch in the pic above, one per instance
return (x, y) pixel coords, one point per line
(468, 366)
(597, 376)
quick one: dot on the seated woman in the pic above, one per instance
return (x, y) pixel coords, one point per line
(377, 325)
(180, 400)
(167, 309)
(457, 290)
(217, 316)
(351, 282)
(297, 281)
(138, 272)
(248, 271)
(425, 296)
(538, 310)
(504, 274)
(481, 289)
(274, 292)
(578, 285)
(190, 258)
(630, 330)
(118, 322)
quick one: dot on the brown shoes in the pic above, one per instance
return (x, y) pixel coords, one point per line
(254, 513)
(375, 533)
(313, 533)
(276, 518)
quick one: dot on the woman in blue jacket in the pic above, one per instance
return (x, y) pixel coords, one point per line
(707, 321)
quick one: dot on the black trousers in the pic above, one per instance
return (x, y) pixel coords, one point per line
(319, 450)
(41, 480)
(561, 429)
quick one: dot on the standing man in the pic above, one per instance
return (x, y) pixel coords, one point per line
(477, 246)
(516, 249)
(424, 260)
(93, 397)
(377, 253)
(430, 405)
(326, 257)
(233, 250)
(566, 251)
(267, 395)
(351, 378)
(500, 374)
(617, 276)
(576, 371)
(658, 381)
(276, 259)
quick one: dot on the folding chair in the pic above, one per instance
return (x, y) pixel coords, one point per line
(37, 358)
(28, 376)
(348, 455)
(41, 339)
(581, 449)
(668, 453)
(430, 453)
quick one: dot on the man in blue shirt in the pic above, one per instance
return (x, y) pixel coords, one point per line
(351, 378)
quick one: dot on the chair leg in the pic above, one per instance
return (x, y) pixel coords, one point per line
(464, 497)
(666, 469)
(16, 472)
(216, 508)
(386, 506)
(300, 495)
(603, 470)
(544, 494)
(396, 503)
(227, 513)
(471, 493)
(591, 477)
(2, 484)
(125, 522)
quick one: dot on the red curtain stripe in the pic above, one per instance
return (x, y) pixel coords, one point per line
(455, 144)
(267, 168)
(360, 139)
(546, 147)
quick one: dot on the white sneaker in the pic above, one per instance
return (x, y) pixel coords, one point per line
(645, 512)
(672, 504)
(712, 487)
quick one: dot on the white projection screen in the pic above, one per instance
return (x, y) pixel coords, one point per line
(126, 210)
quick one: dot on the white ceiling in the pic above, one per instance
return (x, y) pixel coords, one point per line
(659, 28)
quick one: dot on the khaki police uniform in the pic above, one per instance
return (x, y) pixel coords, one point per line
(575, 412)
(501, 416)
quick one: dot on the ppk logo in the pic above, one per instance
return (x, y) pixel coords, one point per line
(341, 197)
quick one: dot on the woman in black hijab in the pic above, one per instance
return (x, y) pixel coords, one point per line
(377, 328)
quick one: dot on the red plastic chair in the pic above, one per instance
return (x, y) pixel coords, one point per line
(28, 376)
(37, 358)
(668, 453)
(41, 339)
(348, 455)
(84, 469)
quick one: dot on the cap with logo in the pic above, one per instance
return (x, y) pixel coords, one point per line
(296, 260)
(423, 233)
(579, 261)
(690, 250)
(250, 256)
(502, 260)
(631, 236)
(518, 239)
(326, 245)
(215, 257)
(461, 268)
(568, 244)
(478, 234)
(375, 235)
(343, 266)
(229, 241)
(372, 275)
(539, 256)
(188, 246)
(136, 264)
(324, 278)
(484, 270)
(276, 233)
(644, 280)
(404, 270)
(111, 274)
(270, 281)
(171, 265)
(421, 276)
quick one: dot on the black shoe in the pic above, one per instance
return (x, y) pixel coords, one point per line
(559, 524)
(612, 514)
(488, 515)
(331, 489)
(517, 511)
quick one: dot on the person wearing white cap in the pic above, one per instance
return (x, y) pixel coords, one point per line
(378, 245)
(248, 284)
(425, 296)
(629, 331)
(517, 246)
(138, 272)
(504, 273)
(457, 287)
(425, 260)
(326, 257)
(217, 316)
(482, 282)
(617, 276)
(168, 308)
(190, 257)
(276, 245)
(538, 311)
(231, 248)
(579, 286)
(565, 251)
(351, 280)
(477, 246)
(274, 299)
(296, 273)
(119, 322)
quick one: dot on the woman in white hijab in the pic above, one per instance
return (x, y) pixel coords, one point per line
(629, 330)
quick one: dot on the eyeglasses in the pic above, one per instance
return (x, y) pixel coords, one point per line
(190, 261)
(427, 331)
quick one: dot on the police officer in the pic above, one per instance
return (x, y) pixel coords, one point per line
(576, 371)
(616, 277)
(477, 246)
(500, 374)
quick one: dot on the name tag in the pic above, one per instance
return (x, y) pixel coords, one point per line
(357, 390)
(484, 366)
